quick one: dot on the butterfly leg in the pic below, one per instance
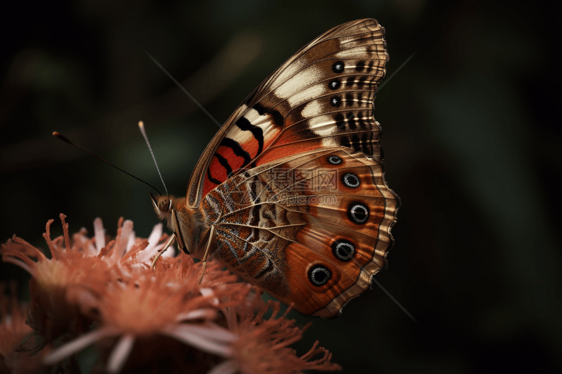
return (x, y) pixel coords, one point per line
(168, 244)
(209, 241)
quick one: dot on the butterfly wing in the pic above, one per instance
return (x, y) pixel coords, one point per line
(321, 97)
(294, 181)
(311, 229)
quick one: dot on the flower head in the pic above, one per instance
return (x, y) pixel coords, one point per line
(169, 302)
(105, 292)
(73, 262)
(262, 346)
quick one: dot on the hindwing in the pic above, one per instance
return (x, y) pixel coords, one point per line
(311, 229)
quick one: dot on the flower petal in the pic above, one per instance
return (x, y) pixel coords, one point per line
(20, 263)
(77, 344)
(120, 353)
(131, 242)
(99, 234)
(189, 336)
(196, 314)
(226, 367)
(154, 237)
(212, 331)
(153, 246)
(122, 239)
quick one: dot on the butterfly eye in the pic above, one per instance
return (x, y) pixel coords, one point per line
(319, 275)
(165, 205)
(338, 67)
(358, 213)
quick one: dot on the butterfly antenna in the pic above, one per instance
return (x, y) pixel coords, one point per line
(58, 135)
(143, 132)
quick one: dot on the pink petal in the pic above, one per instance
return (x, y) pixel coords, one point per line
(131, 241)
(99, 234)
(21, 264)
(120, 353)
(122, 240)
(170, 252)
(227, 367)
(154, 237)
(153, 246)
(196, 314)
(209, 292)
(211, 331)
(78, 344)
(203, 343)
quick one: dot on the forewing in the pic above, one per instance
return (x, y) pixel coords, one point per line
(321, 97)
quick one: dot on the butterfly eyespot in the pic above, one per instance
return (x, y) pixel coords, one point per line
(334, 85)
(319, 275)
(343, 249)
(336, 101)
(351, 180)
(337, 67)
(358, 213)
(334, 160)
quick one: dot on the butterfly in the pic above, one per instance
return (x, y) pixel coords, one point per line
(290, 193)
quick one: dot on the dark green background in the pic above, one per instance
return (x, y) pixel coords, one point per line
(472, 140)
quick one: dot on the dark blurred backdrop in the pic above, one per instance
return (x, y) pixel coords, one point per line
(472, 140)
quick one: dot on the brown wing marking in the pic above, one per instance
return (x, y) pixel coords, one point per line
(286, 114)
(277, 240)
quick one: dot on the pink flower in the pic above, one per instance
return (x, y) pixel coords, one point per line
(262, 346)
(169, 302)
(82, 261)
(105, 292)
(49, 313)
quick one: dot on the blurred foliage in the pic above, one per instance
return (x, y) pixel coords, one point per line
(471, 140)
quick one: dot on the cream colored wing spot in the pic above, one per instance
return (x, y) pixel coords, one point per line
(323, 125)
(311, 109)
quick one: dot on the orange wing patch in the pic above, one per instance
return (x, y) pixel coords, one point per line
(254, 132)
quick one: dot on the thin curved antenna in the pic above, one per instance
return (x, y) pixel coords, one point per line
(143, 132)
(58, 135)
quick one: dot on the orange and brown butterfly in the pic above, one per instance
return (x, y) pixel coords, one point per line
(290, 193)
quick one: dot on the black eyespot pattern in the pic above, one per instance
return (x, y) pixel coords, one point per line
(350, 180)
(337, 67)
(336, 101)
(343, 249)
(358, 213)
(319, 275)
(334, 85)
(334, 160)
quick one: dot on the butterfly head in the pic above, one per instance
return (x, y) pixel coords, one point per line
(162, 206)
(185, 223)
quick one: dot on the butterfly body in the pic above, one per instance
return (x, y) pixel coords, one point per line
(292, 187)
